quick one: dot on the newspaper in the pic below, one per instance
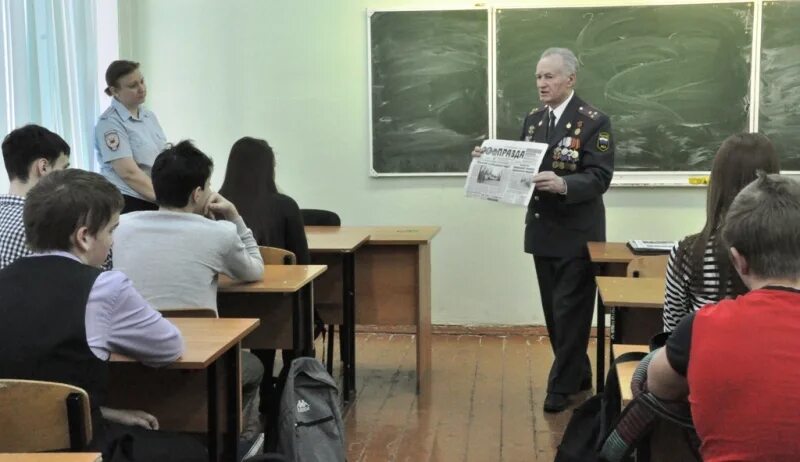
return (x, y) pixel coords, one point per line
(504, 172)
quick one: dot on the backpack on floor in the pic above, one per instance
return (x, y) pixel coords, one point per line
(310, 427)
(592, 421)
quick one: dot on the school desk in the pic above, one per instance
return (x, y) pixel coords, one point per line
(337, 247)
(51, 457)
(392, 282)
(282, 300)
(201, 392)
(611, 259)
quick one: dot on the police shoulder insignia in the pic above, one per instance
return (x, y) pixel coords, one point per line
(535, 110)
(589, 111)
(603, 141)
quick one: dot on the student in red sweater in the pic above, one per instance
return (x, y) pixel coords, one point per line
(736, 360)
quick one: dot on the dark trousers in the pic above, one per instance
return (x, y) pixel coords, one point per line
(134, 204)
(568, 289)
(271, 390)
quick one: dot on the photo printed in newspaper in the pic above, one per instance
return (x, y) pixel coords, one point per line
(504, 173)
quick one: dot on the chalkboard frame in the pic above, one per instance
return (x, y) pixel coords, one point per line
(489, 83)
(621, 178)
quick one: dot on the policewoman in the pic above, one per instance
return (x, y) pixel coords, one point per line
(128, 137)
(565, 212)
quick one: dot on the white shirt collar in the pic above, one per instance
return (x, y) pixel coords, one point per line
(560, 108)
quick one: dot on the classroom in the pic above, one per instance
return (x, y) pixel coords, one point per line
(449, 354)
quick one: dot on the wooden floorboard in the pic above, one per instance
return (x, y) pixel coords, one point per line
(484, 404)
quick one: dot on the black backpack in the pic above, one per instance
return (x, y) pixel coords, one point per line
(592, 421)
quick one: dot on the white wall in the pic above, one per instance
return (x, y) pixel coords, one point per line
(295, 73)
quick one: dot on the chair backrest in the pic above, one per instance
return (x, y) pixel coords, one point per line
(188, 312)
(43, 416)
(651, 266)
(276, 256)
(315, 217)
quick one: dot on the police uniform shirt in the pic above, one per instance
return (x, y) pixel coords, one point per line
(559, 110)
(119, 134)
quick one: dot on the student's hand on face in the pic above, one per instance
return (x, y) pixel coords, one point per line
(130, 417)
(221, 207)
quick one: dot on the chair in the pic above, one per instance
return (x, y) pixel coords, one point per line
(276, 256)
(43, 416)
(188, 312)
(316, 217)
(652, 266)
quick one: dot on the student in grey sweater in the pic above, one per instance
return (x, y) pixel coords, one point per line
(174, 255)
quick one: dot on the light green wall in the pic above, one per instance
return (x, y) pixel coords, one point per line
(295, 72)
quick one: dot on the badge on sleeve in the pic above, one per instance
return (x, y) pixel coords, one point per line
(112, 139)
(603, 141)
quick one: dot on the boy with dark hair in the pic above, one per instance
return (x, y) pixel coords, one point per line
(736, 360)
(190, 249)
(67, 332)
(29, 153)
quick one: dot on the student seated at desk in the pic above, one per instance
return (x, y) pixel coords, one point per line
(276, 222)
(29, 153)
(174, 255)
(63, 317)
(736, 361)
(699, 271)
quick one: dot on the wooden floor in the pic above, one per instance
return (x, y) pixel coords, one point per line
(485, 402)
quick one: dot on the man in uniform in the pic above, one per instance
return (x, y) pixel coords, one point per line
(565, 212)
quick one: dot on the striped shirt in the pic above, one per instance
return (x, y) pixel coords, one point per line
(680, 298)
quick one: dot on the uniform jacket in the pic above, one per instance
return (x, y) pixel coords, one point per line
(581, 151)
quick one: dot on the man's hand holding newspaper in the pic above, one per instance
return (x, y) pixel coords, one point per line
(506, 171)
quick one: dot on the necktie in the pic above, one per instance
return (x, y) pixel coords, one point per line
(551, 125)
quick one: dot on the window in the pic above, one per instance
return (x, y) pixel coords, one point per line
(54, 55)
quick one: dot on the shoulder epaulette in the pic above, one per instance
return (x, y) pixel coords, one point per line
(589, 111)
(536, 109)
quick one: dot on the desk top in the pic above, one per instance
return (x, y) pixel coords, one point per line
(206, 340)
(51, 457)
(625, 370)
(622, 348)
(631, 292)
(387, 235)
(277, 279)
(335, 239)
(609, 252)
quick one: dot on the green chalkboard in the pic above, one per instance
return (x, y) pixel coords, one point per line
(779, 109)
(429, 81)
(674, 79)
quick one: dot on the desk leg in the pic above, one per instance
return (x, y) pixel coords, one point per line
(424, 318)
(298, 345)
(233, 400)
(303, 321)
(223, 376)
(213, 417)
(349, 304)
(601, 344)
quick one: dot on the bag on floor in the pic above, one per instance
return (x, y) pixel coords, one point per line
(592, 421)
(310, 427)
